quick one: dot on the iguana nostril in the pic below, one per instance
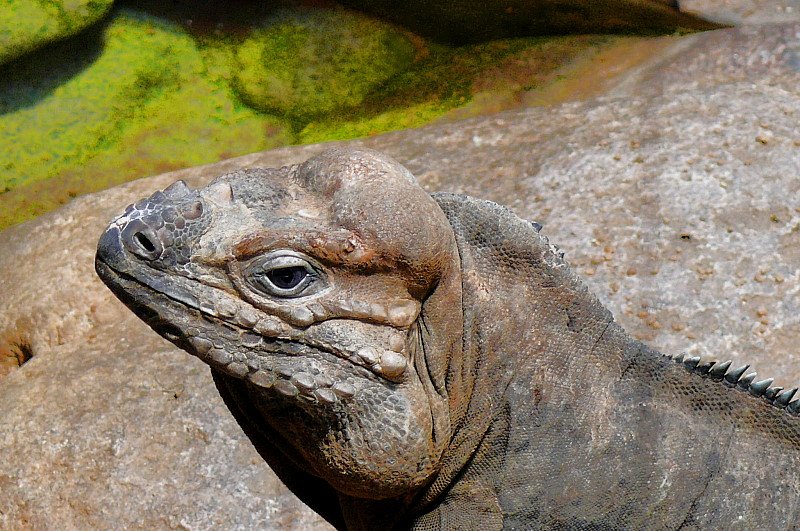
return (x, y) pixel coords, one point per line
(140, 239)
(145, 242)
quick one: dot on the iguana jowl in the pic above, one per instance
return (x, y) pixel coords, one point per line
(407, 360)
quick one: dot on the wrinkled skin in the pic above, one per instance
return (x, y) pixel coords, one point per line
(406, 360)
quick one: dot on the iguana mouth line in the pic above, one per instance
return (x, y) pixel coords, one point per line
(188, 301)
(314, 350)
(166, 290)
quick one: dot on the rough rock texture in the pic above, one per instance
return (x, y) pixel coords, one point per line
(679, 207)
(468, 21)
(763, 54)
(128, 433)
(744, 11)
(26, 25)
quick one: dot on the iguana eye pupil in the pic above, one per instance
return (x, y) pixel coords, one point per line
(287, 277)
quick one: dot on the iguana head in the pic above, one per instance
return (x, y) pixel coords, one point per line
(331, 288)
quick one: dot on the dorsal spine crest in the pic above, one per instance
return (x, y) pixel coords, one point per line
(736, 378)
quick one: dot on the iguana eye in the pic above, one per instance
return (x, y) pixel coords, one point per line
(284, 274)
(287, 277)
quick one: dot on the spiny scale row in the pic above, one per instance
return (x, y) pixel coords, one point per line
(736, 378)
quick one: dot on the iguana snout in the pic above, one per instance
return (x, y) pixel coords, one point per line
(159, 228)
(145, 246)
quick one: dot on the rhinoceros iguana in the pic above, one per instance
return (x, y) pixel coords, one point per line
(406, 360)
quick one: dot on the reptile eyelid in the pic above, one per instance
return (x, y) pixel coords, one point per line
(257, 274)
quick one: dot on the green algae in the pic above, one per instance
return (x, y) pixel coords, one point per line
(26, 25)
(391, 120)
(306, 64)
(447, 78)
(145, 92)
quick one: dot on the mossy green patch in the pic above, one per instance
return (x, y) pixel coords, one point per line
(29, 24)
(307, 64)
(145, 95)
(340, 128)
(446, 79)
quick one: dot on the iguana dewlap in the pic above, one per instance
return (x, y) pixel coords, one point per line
(406, 360)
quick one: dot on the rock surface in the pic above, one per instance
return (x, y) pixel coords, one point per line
(739, 12)
(131, 434)
(678, 202)
(204, 83)
(762, 54)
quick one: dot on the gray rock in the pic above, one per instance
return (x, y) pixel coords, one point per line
(744, 11)
(766, 54)
(125, 432)
(678, 202)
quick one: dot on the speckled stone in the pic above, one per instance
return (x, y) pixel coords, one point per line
(744, 11)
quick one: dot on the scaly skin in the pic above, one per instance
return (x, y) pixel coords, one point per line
(406, 360)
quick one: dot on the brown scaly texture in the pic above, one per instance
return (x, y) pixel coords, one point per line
(405, 360)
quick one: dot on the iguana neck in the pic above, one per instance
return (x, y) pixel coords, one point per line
(517, 290)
